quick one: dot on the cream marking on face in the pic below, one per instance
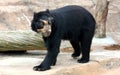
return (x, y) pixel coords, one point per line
(46, 30)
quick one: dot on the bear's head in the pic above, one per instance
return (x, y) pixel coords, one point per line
(42, 23)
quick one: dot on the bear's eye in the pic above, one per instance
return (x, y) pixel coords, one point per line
(40, 20)
(45, 22)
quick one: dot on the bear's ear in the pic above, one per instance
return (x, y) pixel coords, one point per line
(47, 10)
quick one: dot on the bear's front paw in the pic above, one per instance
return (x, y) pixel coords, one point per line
(83, 60)
(40, 68)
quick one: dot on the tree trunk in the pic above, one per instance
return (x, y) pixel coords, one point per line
(20, 40)
(101, 17)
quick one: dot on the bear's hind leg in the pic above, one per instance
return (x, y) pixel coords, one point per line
(86, 41)
(76, 47)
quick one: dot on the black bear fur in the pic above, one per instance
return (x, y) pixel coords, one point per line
(73, 23)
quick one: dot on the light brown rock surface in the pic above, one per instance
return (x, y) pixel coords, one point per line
(113, 72)
(101, 63)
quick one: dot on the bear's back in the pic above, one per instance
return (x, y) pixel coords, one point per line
(70, 8)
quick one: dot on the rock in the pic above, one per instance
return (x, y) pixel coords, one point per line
(17, 14)
(100, 63)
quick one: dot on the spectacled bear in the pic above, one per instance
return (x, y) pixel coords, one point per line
(73, 23)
